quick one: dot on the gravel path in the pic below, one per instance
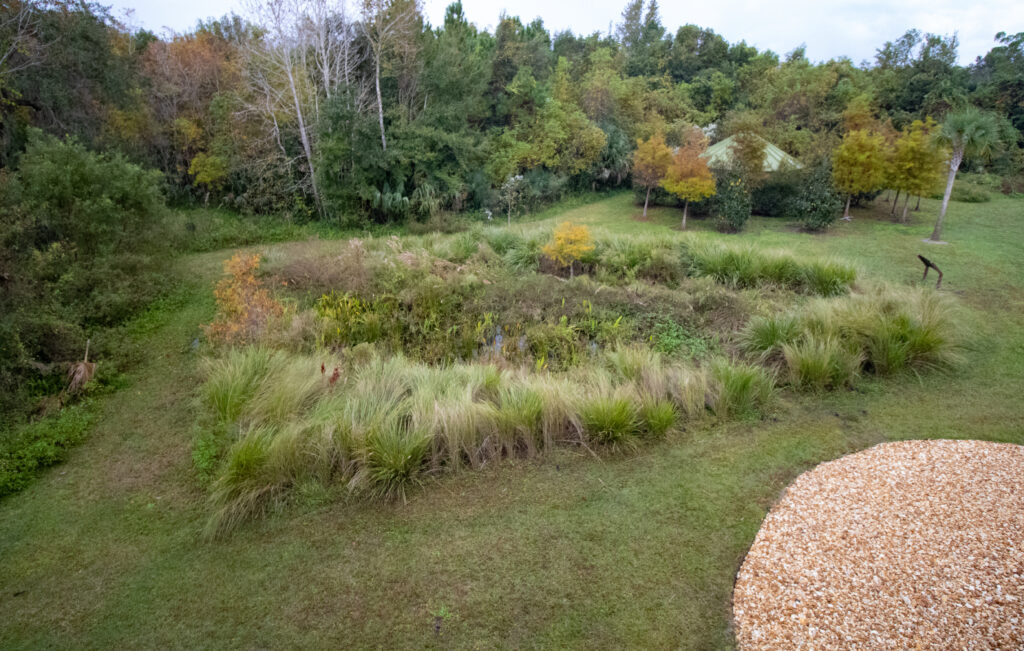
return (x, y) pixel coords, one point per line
(910, 545)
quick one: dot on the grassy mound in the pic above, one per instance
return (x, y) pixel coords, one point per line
(377, 426)
(393, 360)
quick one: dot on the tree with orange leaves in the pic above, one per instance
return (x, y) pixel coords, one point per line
(688, 176)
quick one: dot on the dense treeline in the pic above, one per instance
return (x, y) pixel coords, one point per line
(369, 113)
(316, 110)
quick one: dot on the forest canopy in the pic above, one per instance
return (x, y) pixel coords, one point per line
(368, 113)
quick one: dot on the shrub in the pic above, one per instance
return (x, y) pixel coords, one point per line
(817, 205)
(26, 449)
(774, 197)
(244, 305)
(732, 202)
(96, 202)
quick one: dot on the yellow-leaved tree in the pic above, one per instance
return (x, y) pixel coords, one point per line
(650, 162)
(568, 244)
(859, 164)
(917, 161)
(688, 176)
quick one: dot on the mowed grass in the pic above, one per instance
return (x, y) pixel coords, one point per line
(564, 551)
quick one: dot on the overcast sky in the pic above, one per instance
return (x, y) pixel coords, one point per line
(854, 28)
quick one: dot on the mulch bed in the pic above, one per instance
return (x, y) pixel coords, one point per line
(909, 545)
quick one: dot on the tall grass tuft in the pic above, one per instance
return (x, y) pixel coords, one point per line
(827, 343)
(819, 363)
(657, 417)
(293, 388)
(259, 468)
(741, 389)
(688, 389)
(394, 456)
(765, 336)
(232, 380)
(746, 266)
(611, 420)
(827, 277)
(641, 366)
(517, 421)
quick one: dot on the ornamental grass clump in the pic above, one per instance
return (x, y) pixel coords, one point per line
(740, 389)
(750, 267)
(828, 343)
(611, 420)
(819, 363)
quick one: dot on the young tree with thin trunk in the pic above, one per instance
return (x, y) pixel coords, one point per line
(917, 161)
(688, 176)
(968, 132)
(650, 163)
(858, 165)
(569, 243)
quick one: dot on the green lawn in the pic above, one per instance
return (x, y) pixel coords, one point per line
(566, 551)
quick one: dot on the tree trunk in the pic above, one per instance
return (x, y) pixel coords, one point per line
(510, 212)
(906, 204)
(380, 102)
(918, 206)
(895, 202)
(646, 199)
(846, 213)
(954, 165)
(304, 137)
(685, 207)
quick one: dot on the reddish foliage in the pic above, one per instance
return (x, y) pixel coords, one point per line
(244, 306)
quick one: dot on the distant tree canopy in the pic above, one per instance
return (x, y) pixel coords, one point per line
(318, 109)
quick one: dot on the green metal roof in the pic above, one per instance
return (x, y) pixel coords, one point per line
(720, 155)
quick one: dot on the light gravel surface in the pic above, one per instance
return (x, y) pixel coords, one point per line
(909, 545)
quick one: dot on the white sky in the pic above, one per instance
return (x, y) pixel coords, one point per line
(829, 28)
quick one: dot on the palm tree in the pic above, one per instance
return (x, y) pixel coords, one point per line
(968, 132)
